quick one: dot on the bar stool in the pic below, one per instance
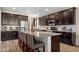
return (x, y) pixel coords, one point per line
(33, 44)
(20, 40)
(24, 38)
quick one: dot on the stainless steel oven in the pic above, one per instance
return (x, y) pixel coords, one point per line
(53, 28)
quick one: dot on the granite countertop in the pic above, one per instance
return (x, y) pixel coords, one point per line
(66, 31)
(9, 31)
(62, 31)
(42, 34)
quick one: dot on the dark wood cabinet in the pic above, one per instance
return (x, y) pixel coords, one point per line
(55, 43)
(41, 21)
(65, 17)
(46, 20)
(9, 35)
(69, 17)
(67, 37)
(12, 19)
(59, 18)
(4, 18)
(22, 17)
(16, 20)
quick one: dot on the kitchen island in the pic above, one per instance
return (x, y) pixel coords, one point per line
(51, 40)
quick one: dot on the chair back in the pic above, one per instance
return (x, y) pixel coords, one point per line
(24, 37)
(19, 35)
(30, 40)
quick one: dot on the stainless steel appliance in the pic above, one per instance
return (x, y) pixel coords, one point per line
(23, 26)
(51, 22)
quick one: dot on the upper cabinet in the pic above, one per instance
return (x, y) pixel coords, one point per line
(65, 17)
(59, 18)
(12, 19)
(4, 18)
(41, 21)
(69, 16)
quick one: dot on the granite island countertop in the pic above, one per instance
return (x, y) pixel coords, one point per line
(62, 31)
(42, 34)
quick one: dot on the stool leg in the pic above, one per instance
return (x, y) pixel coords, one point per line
(38, 50)
(43, 49)
(26, 48)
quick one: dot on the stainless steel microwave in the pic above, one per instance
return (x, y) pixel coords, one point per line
(51, 22)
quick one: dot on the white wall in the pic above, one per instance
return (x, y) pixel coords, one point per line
(0, 25)
(77, 26)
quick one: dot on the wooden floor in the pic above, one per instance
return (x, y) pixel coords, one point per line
(68, 48)
(12, 46)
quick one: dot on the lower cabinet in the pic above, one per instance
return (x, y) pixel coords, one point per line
(67, 37)
(55, 43)
(9, 35)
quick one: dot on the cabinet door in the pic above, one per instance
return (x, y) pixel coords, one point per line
(21, 17)
(65, 20)
(41, 21)
(4, 18)
(47, 19)
(11, 19)
(59, 18)
(25, 18)
(55, 43)
(16, 20)
(56, 19)
(71, 16)
(2, 36)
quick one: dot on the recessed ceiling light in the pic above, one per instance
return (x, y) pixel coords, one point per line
(27, 11)
(13, 8)
(46, 9)
(36, 12)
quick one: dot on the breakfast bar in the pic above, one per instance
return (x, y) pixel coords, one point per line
(51, 40)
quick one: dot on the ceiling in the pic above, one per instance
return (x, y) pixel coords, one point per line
(33, 11)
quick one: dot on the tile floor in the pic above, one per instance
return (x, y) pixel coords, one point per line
(12, 46)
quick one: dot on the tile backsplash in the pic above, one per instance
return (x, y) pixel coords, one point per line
(9, 28)
(68, 27)
(60, 27)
